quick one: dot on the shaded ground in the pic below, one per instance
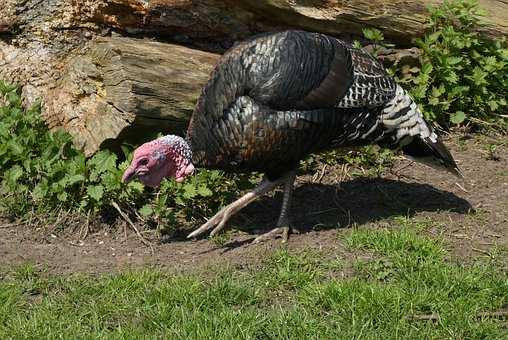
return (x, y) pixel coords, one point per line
(471, 215)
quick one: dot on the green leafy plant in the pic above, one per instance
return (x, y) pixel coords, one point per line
(376, 37)
(41, 170)
(369, 160)
(197, 198)
(464, 75)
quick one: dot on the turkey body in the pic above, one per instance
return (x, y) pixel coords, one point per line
(276, 98)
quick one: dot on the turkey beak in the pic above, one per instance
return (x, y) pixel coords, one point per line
(129, 175)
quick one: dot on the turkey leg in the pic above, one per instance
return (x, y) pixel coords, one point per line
(219, 220)
(283, 224)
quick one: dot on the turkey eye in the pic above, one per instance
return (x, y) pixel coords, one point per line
(144, 161)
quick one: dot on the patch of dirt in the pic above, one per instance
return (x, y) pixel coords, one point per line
(471, 215)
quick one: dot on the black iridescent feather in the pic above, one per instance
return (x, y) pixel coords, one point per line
(276, 98)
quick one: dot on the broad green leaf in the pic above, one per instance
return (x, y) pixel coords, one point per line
(478, 76)
(62, 197)
(204, 191)
(16, 148)
(452, 77)
(454, 60)
(493, 105)
(189, 190)
(434, 101)
(179, 201)
(146, 210)
(136, 186)
(373, 34)
(71, 180)
(433, 37)
(40, 191)
(101, 162)
(95, 192)
(14, 173)
(457, 117)
(427, 68)
(437, 91)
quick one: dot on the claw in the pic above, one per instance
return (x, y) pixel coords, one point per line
(274, 233)
(219, 220)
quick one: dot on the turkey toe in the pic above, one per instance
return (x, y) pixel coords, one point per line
(274, 233)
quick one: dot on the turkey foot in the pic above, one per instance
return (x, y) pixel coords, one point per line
(274, 233)
(283, 225)
(219, 220)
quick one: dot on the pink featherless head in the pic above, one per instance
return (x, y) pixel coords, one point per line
(168, 156)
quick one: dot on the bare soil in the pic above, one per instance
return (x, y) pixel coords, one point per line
(470, 214)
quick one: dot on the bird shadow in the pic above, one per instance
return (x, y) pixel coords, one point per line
(355, 202)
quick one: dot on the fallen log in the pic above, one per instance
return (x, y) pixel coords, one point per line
(226, 20)
(127, 89)
(400, 20)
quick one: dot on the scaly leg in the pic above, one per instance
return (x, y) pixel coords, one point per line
(283, 224)
(220, 219)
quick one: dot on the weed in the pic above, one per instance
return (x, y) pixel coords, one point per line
(41, 170)
(376, 37)
(221, 239)
(492, 153)
(463, 75)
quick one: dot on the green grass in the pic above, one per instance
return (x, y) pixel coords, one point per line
(292, 296)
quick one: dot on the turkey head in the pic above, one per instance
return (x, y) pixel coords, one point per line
(168, 156)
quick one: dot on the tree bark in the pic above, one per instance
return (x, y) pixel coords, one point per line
(128, 89)
(227, 20)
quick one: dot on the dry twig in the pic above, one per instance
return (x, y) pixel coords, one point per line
(425, 317)
(133, 226)
(482, 251)
(502, 314)
(9, 225)
(461, 188)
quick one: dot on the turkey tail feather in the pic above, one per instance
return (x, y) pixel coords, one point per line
(432, 152)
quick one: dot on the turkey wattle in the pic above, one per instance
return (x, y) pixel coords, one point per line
(276, 98)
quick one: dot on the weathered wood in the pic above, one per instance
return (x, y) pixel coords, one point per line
(127, 88)
(400, 20)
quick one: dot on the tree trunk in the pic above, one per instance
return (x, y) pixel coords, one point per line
(128, 89)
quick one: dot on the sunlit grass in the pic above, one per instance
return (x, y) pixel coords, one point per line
(292, 296)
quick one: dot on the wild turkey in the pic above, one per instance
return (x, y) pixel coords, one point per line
(276, 98)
